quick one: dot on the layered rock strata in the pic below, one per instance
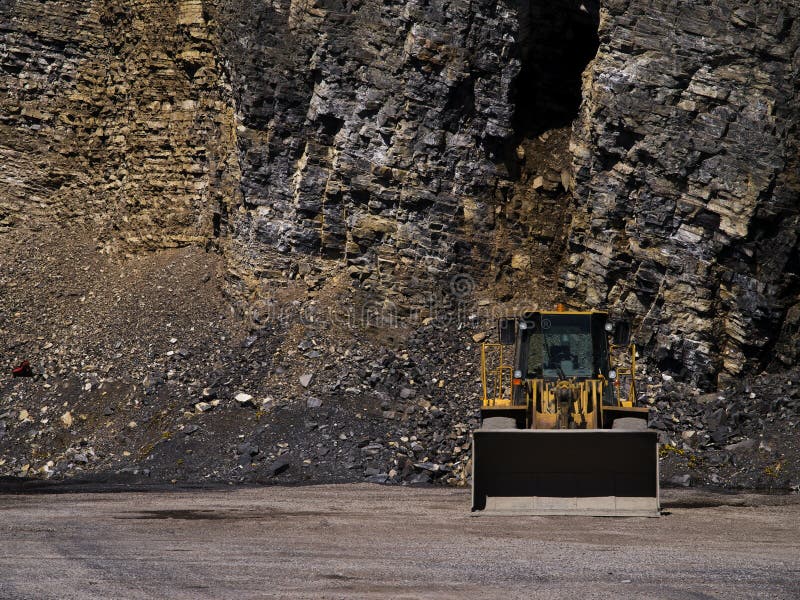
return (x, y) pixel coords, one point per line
(686, 163)
(395, 144)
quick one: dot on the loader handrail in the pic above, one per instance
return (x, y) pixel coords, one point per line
(499, 377)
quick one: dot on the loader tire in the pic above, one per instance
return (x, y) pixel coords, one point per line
(499, 423)
(630, 423)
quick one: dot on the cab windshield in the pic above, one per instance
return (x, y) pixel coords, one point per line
(560, 346)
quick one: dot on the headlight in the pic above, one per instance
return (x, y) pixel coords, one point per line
(523, 325)
(609, 327)
(517, 374)
(612, 374)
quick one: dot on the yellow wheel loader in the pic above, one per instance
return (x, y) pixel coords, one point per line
(560, 430)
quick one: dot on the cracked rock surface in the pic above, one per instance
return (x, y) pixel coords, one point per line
(686, 162)
(635, 155)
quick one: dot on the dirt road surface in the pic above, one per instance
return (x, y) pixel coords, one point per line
(369, 541)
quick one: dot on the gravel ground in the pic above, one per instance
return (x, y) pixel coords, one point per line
(369, 541)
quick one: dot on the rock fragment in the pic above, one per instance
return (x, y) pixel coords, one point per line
(278, 466)
(244, 399)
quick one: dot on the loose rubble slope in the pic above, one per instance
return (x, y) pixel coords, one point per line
(143, 370)
(145, 373)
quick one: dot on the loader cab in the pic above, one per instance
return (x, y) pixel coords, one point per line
(540, 352)
(562, 345)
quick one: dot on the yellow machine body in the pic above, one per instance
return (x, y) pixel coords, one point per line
(561, 432)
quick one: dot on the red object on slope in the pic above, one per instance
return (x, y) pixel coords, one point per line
(23, 370)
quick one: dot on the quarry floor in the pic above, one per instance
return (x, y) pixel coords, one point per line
(371, 541)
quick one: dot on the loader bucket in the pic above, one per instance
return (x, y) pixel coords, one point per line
(598, 472)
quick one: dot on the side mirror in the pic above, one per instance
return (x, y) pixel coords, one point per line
(507, 331)
(622, 333)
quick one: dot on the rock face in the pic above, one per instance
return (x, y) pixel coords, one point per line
(374, 135)
(686, 162)
(115, 112)
(394, 145)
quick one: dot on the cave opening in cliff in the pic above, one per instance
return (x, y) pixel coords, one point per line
(559, 39)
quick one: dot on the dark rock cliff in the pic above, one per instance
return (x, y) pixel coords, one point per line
(635, 155)
(686, 168)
